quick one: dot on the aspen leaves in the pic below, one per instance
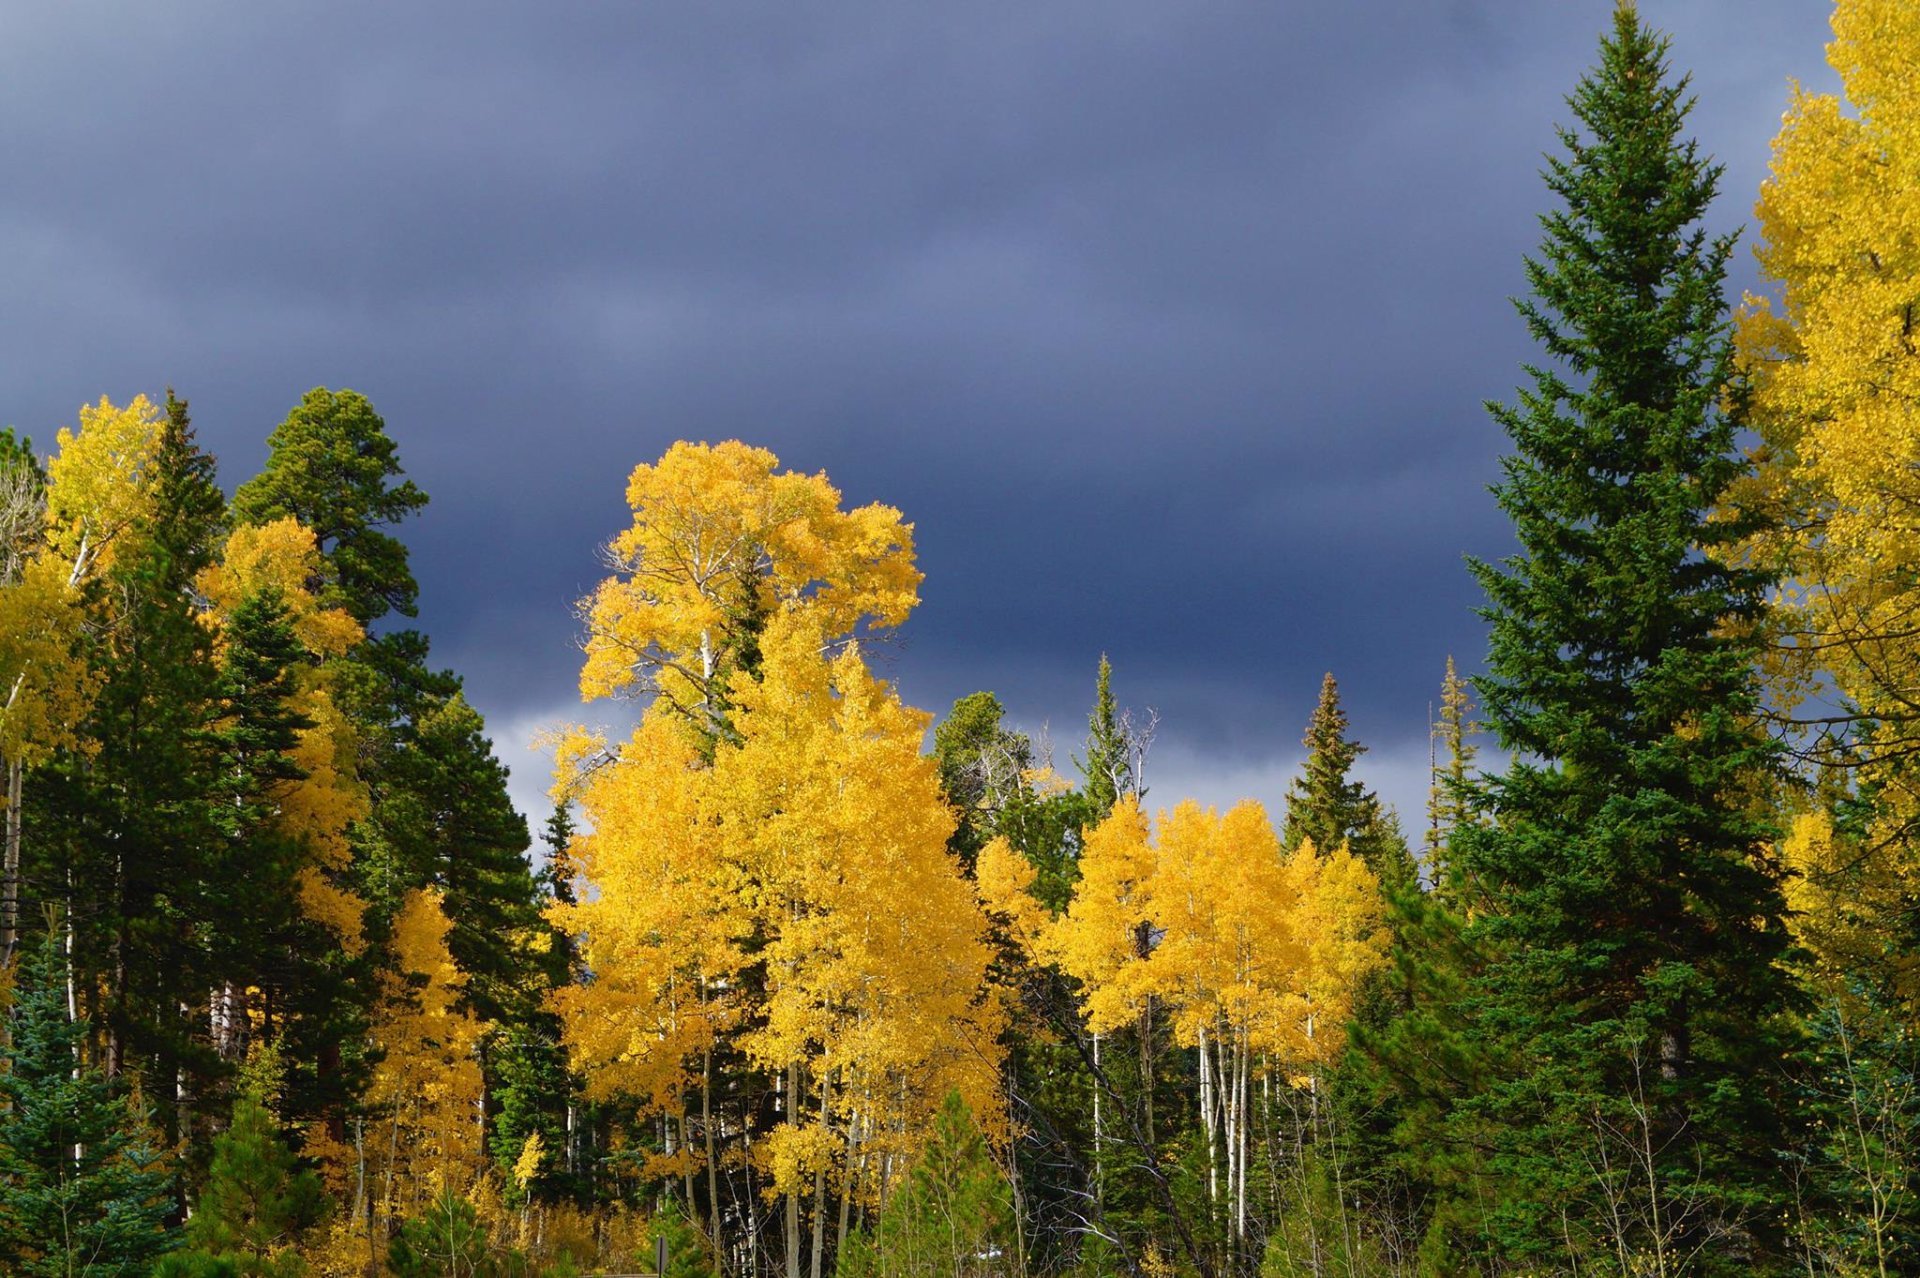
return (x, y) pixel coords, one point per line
(720, 542)
(1211, 919)
(765, 855)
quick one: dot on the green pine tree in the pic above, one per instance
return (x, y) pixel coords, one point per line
(256, 1202)
(447, 1240)
(982, 765)
(83, 1193)
(951, 1218)
(329, 467)
(1109, 763)
(1631, 928)
(1449, 794)
(688, 1255)
(1327, 804)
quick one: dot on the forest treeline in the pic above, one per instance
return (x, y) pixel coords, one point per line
(289, 991)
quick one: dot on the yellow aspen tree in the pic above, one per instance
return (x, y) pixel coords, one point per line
(284, 555)
(97, 492)
(876, 960)
(663, 927)
(1258, 954)
(721, 541)
(763, 862)
(427, 1086)
(1834, 363)
(98, 482)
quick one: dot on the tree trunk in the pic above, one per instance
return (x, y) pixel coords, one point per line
(10, 876)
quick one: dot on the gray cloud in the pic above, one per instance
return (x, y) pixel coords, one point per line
(1168, 323)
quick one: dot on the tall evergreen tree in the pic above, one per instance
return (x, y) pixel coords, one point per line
(1328, 804)
(329, 467)
(982, 764)
(1108, 768)
(452, 826)
(256, 1202)
(1625, 907)
(1449, 804)
(125, 830)
(83, 1193)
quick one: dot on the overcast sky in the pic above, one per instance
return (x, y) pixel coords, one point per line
(1167, 324)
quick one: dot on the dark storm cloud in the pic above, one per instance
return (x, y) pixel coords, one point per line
(1167, 323)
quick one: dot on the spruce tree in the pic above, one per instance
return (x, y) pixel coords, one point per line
(1327, 804)
(950, 1218)
(83, 1193)
(1624, 908)
(982, 764)
(1108, 767)
(1449, 802)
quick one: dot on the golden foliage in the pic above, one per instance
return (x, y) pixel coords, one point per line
(283, 556)
(1211, 920)
(99, 482)
(719, 542)
(427, 1086)
(47, 687)
(1835, 368)
(795, 898)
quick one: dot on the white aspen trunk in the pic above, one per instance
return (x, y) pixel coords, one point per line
(752, 1200)
(686, 1164)
(820, 1194)
(789, 1103)
(10, 876)
(359, 1215)
(706, 1127)
(1242, 1095)
(1099, 1172)
(849, 1188)
(1206, 1118)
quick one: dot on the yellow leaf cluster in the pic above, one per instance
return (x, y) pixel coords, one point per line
(318, 809)
(427, 1087)
(99, 482)
(283, 556)
(99, 492)
(720, 540)
(1838, 902)
(1834, 360)
(1210, 919)
(47, 687)
(795, 898)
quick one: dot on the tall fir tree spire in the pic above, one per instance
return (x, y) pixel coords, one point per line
(1622, 897)
(1451, 767)
(1108, 767)
(1327, 804)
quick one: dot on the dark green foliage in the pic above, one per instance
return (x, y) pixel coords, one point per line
(447, 1241)
(450, 825)
(83, 1192)
(255, 1203)
(1109, 764)
(688, 1255)
(329, 468)
(1629, 920)
(951, 1218)
(125, 838)
(1856, 1199)
(981, 765)
(314, 994)
(1327, 804)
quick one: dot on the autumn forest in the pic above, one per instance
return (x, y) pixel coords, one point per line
(799, 981)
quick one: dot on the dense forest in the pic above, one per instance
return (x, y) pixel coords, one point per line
(804, 982)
